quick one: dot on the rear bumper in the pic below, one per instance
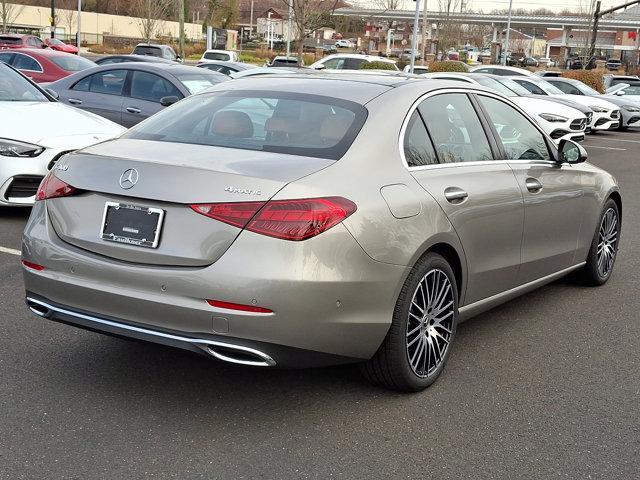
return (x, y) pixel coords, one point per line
(329, 299)
(230, 350)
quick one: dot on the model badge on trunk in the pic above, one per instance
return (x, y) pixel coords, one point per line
(244, 191)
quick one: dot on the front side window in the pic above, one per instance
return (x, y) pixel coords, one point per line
(25, 62)
(151, 87)
(566, 87)
(520, 139)
(455, 128)
(530, 86)
(296, 124)
(15, 88)
(418, 149)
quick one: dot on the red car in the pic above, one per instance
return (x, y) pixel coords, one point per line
(59, 45)
(44, 65)
(15, 40)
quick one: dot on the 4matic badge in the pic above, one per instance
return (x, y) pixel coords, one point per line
(243, 191)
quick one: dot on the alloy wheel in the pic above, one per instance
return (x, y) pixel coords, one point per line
(430, 323)
(607, 242)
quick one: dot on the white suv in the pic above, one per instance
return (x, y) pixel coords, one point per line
(220, 56)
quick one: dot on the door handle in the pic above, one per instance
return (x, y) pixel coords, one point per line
(133, 110)
(75, 101)
(533, 185)
(455, 194)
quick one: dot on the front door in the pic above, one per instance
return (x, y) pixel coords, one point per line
(453, 159)
(552, 192)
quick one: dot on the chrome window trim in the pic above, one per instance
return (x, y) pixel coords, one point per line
(26, 69)
(433, 93)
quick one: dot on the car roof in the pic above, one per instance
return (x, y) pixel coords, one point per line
(140, 58)
(357, 55)
(44, 52)
(356, 87)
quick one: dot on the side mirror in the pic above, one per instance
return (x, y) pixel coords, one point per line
(170, 100)
(320, 67)
(620, 93)
(53, 93)
(570, 152)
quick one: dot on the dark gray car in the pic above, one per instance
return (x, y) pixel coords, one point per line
(127, 93)
(132, 58)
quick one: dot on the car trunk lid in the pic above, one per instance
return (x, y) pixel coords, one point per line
(168, 177)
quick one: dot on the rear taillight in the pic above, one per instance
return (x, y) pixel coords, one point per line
(285, 219)
(52, 187)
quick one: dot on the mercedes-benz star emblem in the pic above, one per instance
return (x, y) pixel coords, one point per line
(129, 178)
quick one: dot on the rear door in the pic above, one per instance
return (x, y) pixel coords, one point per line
(100, 93)
(144, 94)
(453, 159)
(552, 192)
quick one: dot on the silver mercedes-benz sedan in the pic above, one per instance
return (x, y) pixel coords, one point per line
(298, 220)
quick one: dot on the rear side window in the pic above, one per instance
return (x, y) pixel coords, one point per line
(307, 125)
(455, 128)
(418, 149)
(110, 82)
(352, 63)
(151, 87)
(25, 62)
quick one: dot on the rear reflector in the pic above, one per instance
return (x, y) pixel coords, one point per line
(52, 187)
(31, 265)
(238, 306)
(294, 220)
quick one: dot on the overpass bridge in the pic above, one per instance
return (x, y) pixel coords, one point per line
(614, 22)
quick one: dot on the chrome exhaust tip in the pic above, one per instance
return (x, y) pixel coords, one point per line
(39, 309)
(240, 355)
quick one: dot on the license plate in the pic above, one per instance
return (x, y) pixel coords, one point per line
(131, 224)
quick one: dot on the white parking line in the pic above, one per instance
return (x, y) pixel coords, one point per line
(617, 140)
(12, 251)
(607, 148)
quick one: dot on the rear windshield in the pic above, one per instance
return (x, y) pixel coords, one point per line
(71, 63)
(217, 56)
(10, 40)
(146, 50)
(284, 61)
(296, 124)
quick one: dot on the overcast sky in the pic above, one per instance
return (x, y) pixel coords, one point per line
(489, 5)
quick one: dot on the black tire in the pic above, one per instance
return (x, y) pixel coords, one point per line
(391, 366)
(591, 274)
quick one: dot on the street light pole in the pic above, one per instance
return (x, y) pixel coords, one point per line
(78, 39)
(289, 29)
(52, 20)
(414, 40)
(506, 43)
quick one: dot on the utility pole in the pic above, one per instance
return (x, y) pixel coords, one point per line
(597, 15)
(506, 43)
(78, 39)
(423, 47)
(289, 29)
(414, 40)
(52, 19)
(181, 28)
(251, 21)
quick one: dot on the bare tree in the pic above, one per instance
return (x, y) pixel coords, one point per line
(151, 15)
(68, 14)
(9, 12)
(448, 32)
(309, 15)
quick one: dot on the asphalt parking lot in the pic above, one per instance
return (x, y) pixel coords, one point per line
(546, 386)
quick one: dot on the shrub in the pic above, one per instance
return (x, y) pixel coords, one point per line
(593, 78)
(377, 66)
(448, 66)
